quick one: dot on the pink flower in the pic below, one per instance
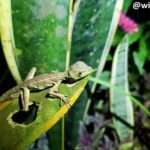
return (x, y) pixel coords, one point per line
(127, 24)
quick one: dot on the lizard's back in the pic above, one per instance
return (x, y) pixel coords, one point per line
(38, 82)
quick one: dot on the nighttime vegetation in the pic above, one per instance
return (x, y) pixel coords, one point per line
(75, 75)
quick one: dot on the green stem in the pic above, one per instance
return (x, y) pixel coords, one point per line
(70, 26)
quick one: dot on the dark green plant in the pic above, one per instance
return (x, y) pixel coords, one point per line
(51, 35)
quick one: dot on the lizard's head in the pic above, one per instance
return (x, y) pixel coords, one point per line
(79, 70)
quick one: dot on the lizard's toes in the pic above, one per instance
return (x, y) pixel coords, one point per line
(64, 99)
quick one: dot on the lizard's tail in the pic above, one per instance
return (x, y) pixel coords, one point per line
(9, 95)
(3, 98)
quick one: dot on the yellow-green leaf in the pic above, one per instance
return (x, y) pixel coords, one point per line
(49, 112)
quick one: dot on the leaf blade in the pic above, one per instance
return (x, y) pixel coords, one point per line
(120, 103)
(20, 136)
(40, 32)
(91, 29)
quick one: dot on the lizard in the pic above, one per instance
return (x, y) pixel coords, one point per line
(49, 81)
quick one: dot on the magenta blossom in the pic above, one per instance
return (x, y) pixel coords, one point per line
(127, 24)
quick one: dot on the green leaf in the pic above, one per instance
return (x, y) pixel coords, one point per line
(40, 35)
(105, 76)
(118, 37)
(7, 40)
(49, 112)
(134, 37)
(109, 40)
(40, 32)
(119, 99)
(141, 56)
(95, 25)
(92, 29)
(127, 4)
(138, 62)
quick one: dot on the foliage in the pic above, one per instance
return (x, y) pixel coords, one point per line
(44, 115)
(51, 35)
(121, 104)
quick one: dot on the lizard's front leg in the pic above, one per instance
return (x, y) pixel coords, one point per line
(24, 98)
(53, 92)
(31, 73)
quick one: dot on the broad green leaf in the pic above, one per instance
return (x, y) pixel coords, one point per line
(94, 28)
(20, 136)
(40, 32)
(40, 35)
(120, 103)
(110, 36)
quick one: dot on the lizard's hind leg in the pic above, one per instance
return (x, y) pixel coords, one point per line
(24, 99)
(53, 92)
